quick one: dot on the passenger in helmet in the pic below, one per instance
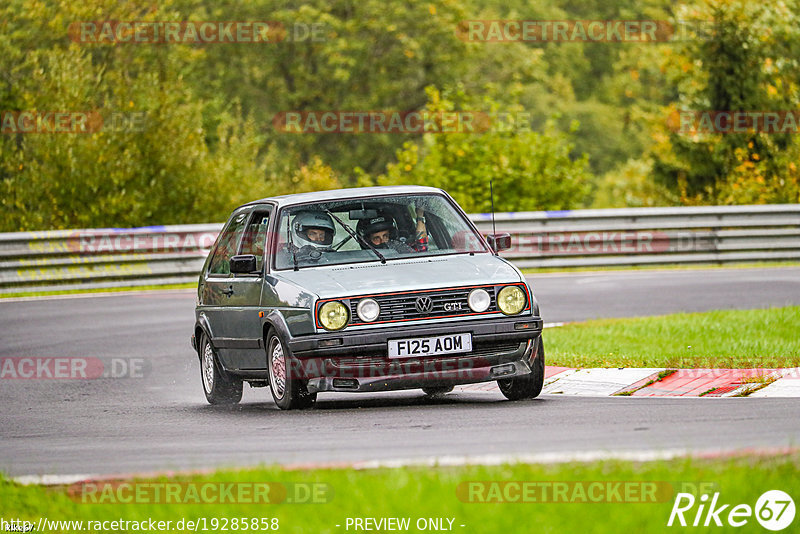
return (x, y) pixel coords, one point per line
(378, 230)
(381, 232)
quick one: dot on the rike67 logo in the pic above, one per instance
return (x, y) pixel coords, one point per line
(774, 510)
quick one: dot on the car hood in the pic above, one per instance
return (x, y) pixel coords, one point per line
(403, 275)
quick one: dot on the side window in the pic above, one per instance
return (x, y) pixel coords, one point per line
(255, 237)
(446, 229)
(432, 227)
(226, 246)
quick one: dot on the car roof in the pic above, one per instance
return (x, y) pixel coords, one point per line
(339, 194)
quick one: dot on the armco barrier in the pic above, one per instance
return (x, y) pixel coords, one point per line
(647, 236)
(158, 255)
(103, 258)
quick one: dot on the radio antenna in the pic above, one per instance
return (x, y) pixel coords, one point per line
(491, 196)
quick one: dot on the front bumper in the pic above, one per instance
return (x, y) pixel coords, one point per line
(437, 375)
(375, 341)
(501, 349)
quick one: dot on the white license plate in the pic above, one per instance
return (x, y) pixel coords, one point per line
(430, 346)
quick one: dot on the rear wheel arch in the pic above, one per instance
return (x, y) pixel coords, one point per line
(201, 328)
(219, 386)
(199, 332)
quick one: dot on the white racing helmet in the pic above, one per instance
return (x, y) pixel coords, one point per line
(317, 220)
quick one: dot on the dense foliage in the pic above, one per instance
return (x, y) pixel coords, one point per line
(592, 120)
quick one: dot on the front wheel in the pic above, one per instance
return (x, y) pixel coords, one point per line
(219, 387)
(528, 386)
(288, 391)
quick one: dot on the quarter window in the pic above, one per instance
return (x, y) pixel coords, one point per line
(255, 236)
(226, 246)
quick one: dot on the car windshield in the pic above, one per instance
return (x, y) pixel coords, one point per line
(372, 229)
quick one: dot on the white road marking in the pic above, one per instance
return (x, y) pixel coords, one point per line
(456, 461)
(786, 386)
(51, 480)
(598, 382)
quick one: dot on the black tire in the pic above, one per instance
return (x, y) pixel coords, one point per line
(219, 386)
(528, 386)
(436, 391)
(288, 392)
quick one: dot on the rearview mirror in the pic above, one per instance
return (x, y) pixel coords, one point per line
(499, 242)
(357, 215)
(243, 264)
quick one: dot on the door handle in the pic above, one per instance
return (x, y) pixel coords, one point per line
(228, 291)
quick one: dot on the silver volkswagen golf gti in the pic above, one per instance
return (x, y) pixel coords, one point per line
(372, 289)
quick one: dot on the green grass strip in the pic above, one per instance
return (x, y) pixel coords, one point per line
(587, 500)
(729, 339)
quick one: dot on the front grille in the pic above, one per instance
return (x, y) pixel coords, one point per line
(402, 307)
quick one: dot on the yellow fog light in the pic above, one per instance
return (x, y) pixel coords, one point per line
(511, 300)
(333, 315)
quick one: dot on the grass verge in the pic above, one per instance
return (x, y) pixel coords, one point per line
(728, 339)
(587, 502)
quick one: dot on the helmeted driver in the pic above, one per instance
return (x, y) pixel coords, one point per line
(313, 229)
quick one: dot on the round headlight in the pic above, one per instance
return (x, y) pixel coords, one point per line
(368, 310)
(479, 300)
(333, 315)
(511, 300)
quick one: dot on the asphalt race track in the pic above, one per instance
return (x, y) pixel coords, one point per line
(160, 421)
(578, 297)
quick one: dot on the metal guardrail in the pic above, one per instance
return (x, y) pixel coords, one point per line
(650, 236)
(103, 258)
(160, 255)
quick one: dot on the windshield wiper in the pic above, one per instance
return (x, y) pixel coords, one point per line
(291, 243)
(356, 236)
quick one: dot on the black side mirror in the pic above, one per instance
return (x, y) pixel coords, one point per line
(243, 264)
(499, 242)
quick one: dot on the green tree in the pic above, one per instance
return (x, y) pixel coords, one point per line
(746, 60)
(529, 170)
(161, 171)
